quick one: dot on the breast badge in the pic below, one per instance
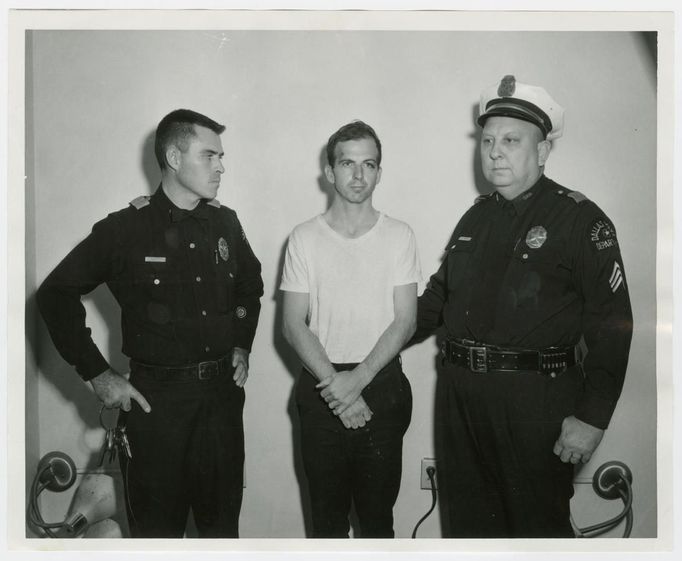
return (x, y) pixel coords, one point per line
(536, 236)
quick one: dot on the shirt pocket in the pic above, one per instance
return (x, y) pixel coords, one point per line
(547, 258)
(156, 289)
(537, 275)
(460, 257)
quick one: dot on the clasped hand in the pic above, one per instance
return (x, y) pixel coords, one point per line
(341, 390)
(342, 393)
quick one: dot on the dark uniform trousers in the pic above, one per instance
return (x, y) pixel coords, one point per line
(359, 466)
(188, 452)
(509, 419)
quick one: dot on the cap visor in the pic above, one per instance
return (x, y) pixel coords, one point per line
(514, 113)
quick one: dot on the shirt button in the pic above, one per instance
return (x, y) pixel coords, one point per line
(552, 374)
(525, 256)
(207, 349)
(192, 245)
(157, 281)
(198, 279)
(203, 312)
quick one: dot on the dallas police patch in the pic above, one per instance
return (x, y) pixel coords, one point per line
(603, 234)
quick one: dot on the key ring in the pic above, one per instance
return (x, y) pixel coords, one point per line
(101, 419)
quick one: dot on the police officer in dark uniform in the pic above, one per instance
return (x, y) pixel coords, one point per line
(189, 287)
(532, 275)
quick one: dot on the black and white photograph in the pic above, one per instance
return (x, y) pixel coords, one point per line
(340, 281)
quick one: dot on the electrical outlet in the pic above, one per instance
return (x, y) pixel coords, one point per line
(425, 481)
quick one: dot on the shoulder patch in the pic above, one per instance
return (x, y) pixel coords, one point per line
(140, 202)
(214, 202)
(577, 197)
(603, 234)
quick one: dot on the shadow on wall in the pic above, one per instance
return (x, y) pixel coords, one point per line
(650, 41)
(149, 164)
(293, 364)
(482, 186)
(63, 376)
(440, 426)
(324, 185)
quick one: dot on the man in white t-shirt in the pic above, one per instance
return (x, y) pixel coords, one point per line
(350, 294)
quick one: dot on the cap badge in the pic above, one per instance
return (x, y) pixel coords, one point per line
(536, 236)
(223, 249)
(507, 86)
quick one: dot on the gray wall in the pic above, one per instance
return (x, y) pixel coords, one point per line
(95, 98)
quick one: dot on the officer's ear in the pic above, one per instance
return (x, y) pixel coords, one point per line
(173, 157)
(544, 148)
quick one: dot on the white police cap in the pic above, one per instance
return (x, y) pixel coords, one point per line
(529, 103)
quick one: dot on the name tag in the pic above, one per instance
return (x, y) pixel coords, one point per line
(464, 238)
(154, 259)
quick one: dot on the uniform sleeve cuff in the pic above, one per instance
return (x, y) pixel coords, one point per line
(91, 364)
(595, 411)
(243, 342)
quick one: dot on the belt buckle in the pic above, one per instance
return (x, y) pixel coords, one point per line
(478, 359)
(208, 369)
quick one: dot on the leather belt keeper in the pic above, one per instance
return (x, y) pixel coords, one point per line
(483, 358)
(206, 370)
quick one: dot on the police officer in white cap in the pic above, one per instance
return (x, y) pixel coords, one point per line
(532, 276)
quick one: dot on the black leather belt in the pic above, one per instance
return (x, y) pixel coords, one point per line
(206, 370)
(484, 358)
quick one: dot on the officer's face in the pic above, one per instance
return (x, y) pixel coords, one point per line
(512, 154)
(199, 167)
(356, 172)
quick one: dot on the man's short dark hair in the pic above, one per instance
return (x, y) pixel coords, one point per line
(177, 128)
(355, 130)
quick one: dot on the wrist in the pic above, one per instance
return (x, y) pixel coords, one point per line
(364, 374)
(102, 376)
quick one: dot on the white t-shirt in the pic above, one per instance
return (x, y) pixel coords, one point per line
(350, 281)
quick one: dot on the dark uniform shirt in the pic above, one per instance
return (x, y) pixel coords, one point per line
(188, 284)
(539, 271)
